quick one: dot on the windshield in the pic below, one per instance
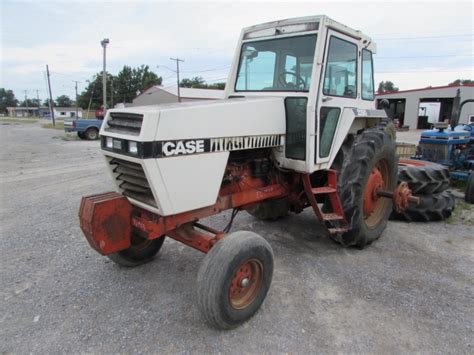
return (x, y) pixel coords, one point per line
(283, 64)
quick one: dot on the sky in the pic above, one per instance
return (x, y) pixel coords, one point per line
(419, 44)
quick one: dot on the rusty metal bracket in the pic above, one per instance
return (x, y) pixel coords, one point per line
(401, 197)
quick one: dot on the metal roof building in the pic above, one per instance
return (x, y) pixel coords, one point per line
(160, 95)
(410, 107)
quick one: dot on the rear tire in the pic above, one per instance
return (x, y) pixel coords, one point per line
(423, 177)
(270, 210)
(435, 207)
(373, 149)
(234, 279)
(142, 251)
(469, 194)
(81, 135)
(92, 134)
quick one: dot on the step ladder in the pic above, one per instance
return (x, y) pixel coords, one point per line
(334, 221)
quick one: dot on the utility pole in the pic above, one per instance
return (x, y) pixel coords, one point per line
(39, 102)
(51, 105)
(104, 44)
(75, 81)
(111, 91)
(26, 103)
(177, 74)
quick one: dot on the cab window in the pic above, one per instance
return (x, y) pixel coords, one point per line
(341, 69)
(367, 75)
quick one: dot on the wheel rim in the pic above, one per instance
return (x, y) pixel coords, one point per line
(246, 283)
(374, 206)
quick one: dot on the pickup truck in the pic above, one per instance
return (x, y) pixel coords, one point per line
(86, 129)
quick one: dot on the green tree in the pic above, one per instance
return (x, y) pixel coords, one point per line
(92, 93)
(64, 101)
(386, 86)
(30, 103)
(218, 86)
(199, 83)
(127, 84)
(461, 82)
(7, 99)
(46, 103)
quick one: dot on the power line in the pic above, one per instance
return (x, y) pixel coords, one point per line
(206, 70)
(420, 37)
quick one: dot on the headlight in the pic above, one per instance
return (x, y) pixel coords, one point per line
(109, 142)
(132, 147)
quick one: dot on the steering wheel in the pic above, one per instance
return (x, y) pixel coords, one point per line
(300, 83)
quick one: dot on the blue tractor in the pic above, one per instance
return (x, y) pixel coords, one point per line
(452, 146)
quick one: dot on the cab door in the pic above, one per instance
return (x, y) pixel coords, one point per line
(338, 89)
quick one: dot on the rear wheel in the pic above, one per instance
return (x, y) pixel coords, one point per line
(234, 279)
(92, 134)
(368, 166)
(423, 177)
(435, 207)
(141, 251)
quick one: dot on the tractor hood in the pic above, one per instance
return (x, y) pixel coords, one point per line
(171, 158)
(229, 118)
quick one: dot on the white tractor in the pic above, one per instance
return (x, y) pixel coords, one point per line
(297, 128)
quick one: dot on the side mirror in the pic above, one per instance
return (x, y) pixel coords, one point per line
(384, 104)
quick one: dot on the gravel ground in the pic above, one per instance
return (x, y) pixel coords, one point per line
(411, 291)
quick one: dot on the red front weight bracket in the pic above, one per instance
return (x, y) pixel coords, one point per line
(105, 220)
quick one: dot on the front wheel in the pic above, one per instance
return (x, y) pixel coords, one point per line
(141, 251)
(234, 279)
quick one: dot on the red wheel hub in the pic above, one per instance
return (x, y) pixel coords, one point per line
(246, 283)
(375, 183)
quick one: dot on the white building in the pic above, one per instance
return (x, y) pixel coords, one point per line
(59, 112)
(413, 108)
(160, 95)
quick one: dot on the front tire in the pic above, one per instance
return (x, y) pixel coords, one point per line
(369, 163)
(234, 279)
(141, 251)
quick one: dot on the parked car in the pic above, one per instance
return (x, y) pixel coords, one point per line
(86, 129)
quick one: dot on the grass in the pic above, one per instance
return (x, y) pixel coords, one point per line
(59, 125)
(462, 213)
(18, 120)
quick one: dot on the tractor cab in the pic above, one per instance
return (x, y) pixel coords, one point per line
(323, 73)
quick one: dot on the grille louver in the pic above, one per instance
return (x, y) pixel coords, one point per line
(123, 122)
(132, 181)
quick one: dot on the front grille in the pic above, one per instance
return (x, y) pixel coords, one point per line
(434, 152)
(124, 122)
(132, 180)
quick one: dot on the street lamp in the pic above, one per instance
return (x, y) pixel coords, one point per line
(104, 44)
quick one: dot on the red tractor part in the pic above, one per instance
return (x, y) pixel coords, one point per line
(105, 220)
